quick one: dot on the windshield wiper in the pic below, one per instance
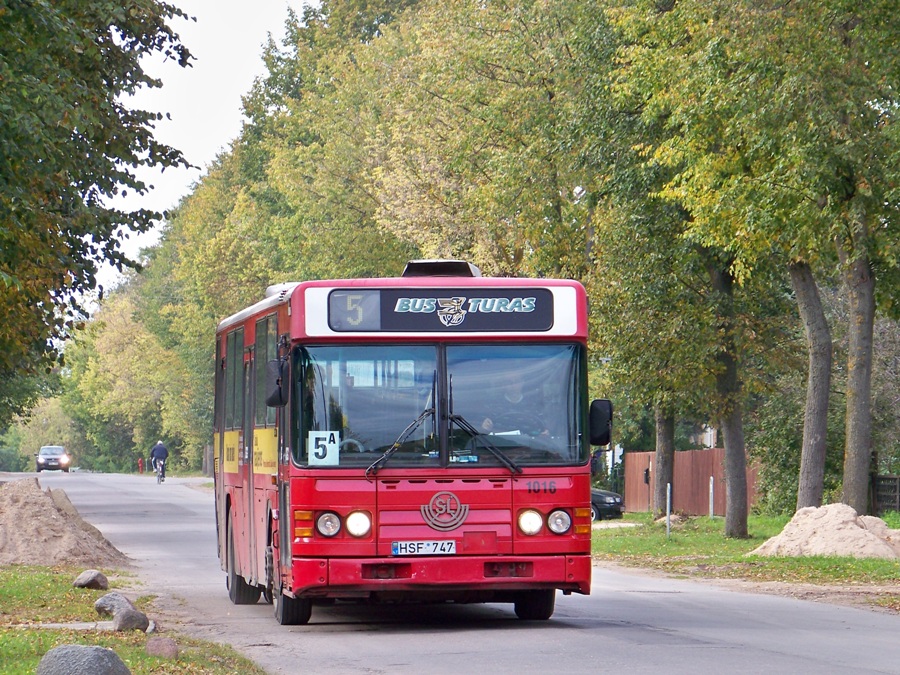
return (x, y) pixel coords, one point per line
(381, 461)
(465, 425)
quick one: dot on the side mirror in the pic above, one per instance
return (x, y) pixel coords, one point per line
(601, 421)
(276, 383)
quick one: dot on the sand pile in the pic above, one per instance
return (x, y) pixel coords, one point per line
(835, 529)
(43, 528)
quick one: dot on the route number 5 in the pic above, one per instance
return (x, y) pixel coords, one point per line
(323, 448)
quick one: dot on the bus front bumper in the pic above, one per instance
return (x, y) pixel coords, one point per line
(341, 577)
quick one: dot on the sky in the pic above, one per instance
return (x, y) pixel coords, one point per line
(204, 101)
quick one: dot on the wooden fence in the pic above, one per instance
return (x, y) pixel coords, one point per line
(887, 494)
(690, 482)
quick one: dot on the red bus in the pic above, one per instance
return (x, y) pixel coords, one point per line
(423, 438)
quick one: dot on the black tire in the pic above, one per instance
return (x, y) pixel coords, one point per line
(267, 591)
(536, 605)
(291, 611)
(239, 591)
(595, 513)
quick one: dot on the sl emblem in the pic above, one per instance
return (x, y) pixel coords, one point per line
(444, 512)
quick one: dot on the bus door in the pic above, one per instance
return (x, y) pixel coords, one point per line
(249, 549)
(283, 424)
(219, 445)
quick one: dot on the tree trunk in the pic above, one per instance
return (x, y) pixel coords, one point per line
(815, 419)
(728, 386)
(665, 459)
(732, 425)
(860, 281)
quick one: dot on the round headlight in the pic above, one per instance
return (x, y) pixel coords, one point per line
(559, 522)
(359, 524)
(328, 524)
(530, 522)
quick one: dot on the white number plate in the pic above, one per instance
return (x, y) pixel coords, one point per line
(446, 547)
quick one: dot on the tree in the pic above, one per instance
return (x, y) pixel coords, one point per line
(127, 390)
(471, 137)
(283, 203)
(780, 140)
(68, 146)
(314, 125)
(651, 128)
(815, 421)
(22, 390)
(48, 424)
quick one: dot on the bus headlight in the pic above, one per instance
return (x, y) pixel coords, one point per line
(559, 522)
(328, 524)
(359, 524)
(530, 522)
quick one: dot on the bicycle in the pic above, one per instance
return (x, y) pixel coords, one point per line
(160, 470)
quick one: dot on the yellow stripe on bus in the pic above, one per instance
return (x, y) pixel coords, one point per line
(265, 451)
(232, 439)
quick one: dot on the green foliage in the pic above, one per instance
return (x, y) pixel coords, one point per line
(68, 146)
(21, 390)
(48, 424)
(635, 429)
(125, 390)
(756, 121)
(886, 394)
(473, 136)
(12, 460)
(261, 215)
(775, 433)
(774, 119)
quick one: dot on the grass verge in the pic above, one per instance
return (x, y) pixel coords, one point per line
(697, 547)
(30, 596)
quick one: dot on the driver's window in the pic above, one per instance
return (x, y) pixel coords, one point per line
(496, 395)
(523, 398)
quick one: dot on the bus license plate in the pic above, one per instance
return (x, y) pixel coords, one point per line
(445, 547)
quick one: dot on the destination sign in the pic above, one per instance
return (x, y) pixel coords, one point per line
(441, 310)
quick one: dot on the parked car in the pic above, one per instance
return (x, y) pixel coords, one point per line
(605, 504)
(52, 457)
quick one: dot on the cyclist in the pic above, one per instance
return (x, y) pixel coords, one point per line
(158, 453)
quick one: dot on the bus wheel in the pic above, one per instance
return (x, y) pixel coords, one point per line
(240, 592)
(270, 575)
(536, 605)
(291, 611)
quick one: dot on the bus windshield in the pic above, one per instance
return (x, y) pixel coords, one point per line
(466, 406)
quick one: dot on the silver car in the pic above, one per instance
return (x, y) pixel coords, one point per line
(52, 457)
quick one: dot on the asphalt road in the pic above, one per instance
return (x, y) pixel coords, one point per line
(631, 623)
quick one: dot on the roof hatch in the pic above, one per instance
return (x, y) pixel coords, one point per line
(440, 268)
